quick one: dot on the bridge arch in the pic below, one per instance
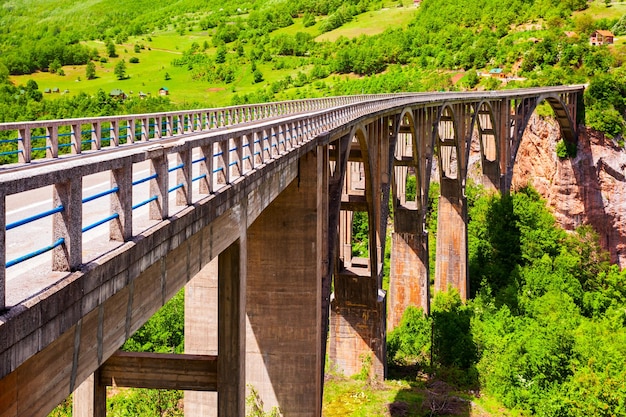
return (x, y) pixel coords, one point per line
(484, 127)
(447, 144)
(564, 107)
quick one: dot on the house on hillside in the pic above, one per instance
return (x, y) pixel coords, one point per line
(497, 73)
(163, 91)
(602, 37)
(118, 94)
(417, 2)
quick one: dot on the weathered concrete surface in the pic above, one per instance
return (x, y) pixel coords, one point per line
(408, 276)
(201, 333)
(286, 255)
(357, 324)
(451, 262)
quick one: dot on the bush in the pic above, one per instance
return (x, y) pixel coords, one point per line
(410, 341)
(603, 117)
(134, 60)
(566, 149)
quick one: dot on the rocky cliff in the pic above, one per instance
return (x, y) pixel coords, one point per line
(588, 189)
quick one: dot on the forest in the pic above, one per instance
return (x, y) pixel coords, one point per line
(543, 333)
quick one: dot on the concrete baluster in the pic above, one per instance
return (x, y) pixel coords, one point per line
(24, 146)
(114, 134)
(52, 141)
(184, 176)
(159, 208)
(67, 225)
(121, 229)
(3, 253)
(96, 136)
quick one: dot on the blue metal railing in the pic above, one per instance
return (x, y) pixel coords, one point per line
(35, 253)
(28, 220)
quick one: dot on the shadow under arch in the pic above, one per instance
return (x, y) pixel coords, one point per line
(564, 114)
(489, 135)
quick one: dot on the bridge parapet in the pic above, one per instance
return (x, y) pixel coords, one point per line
(25, 142)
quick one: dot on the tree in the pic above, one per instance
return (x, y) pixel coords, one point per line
(120, 70)
(220, 55)
(111, 49)
(258, 76)
(90, 71)
(55, 66)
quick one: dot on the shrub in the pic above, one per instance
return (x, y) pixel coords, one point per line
(566, 149)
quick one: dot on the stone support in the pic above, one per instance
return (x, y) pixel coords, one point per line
(408, 275)
(231, 362)
(286, 260)
(451, 264)
(201, 333)
(90, 398)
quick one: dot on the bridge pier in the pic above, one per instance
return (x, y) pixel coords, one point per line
(451, 263)
(285, 264)
(358, 305)
(201, 321)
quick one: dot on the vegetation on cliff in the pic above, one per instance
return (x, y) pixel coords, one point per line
(545, 330)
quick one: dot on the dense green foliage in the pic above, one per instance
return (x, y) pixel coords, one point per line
(235, 45)
(545, 331)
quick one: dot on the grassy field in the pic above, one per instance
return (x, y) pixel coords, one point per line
(372, 23)
(346, 397)
(161, 47)
(598, 10)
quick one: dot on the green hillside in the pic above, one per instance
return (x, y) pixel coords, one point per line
(215, 53)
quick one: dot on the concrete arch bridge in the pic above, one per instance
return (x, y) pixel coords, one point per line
(250, 209)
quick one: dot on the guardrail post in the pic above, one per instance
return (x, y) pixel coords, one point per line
(145, 129)
(121, 229)
(247, 151)
(206, 168)
(24, 146)
(235, 162)
(52, 142)
(96, 136)
(183, 176)
(158, 127)
(130, 132)
(222, 163)
(67, 224)
(114, 134)
(159, 209)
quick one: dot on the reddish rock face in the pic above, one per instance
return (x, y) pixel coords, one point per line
(589, 189)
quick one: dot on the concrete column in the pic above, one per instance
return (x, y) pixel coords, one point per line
(90, 398)
(67, 225)
(409, 274)
(286, 261)
(201, 333)
(231, 359)
(159, 209)
(121, 229)
(451, 264)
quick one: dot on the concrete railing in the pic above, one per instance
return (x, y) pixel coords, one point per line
(24, 142)
(212, 158)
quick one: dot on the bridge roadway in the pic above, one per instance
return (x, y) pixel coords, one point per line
(250, 209)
